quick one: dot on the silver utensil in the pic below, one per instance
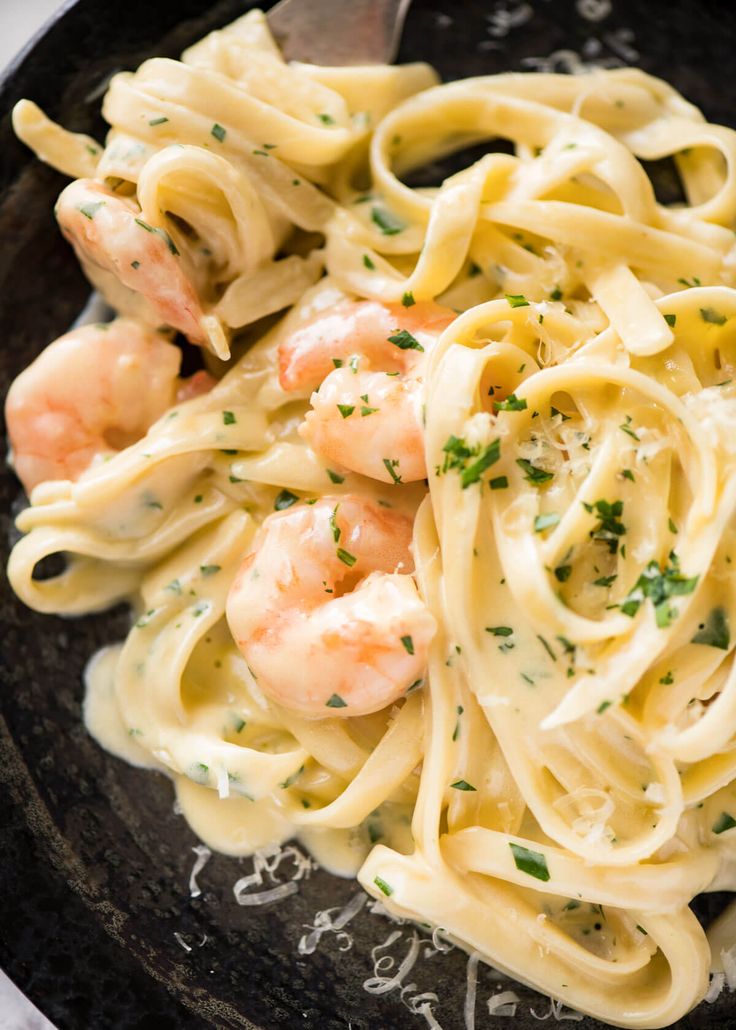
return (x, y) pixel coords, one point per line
(339, 31)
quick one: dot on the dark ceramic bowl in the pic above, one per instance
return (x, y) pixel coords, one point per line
(94, 864)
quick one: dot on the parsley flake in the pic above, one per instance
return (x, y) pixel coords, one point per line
(715, 631)
(404, 340)
(533, 863)
(388, 223)
(512, 403)
(284, 500)
(532, 474)
(462, 785)
(547, 521)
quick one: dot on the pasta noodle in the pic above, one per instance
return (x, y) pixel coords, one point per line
(562, 785)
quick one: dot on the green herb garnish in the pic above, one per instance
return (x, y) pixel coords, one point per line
(284, 499)
(542, 522)
(388, 223)
(404, 340)
(715, 631)
(462, 785)
(512, 403)
(532, 474)
(531, 862)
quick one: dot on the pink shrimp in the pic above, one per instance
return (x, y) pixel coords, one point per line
(367, 359)
(326, 612)
(108, 231)
(93, 391)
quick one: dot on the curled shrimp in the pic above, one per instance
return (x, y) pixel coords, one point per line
(108, 231)
(325, 610)
(367, 359)
(93, 391)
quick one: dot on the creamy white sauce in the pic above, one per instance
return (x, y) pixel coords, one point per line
(101, 712)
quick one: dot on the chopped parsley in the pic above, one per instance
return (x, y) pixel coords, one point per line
(370, 265)
(384, 888)
(388, 223)
(605, 581)
(532, 474)
(667, 679)
(284, 499)
(158, 121)
(291, 780)
(135, 264)
(625, 427)
(499, 631)
(609, 527)
(688, 284)
(499, 483)
(335, 477)
(391, 464)
(336, 531)
(724, 822)
(326, 119)
(546, 521)
(408, 644)
(89, 210)
(556, 294)
(715, 631)
(405, 341)
(603, 706)
(531, 862)
(346, 557)
(408, 299)
(659, 585)
(462, 785)
(470, 462)
(346, 410)
(671, 320)
(628, 474)
(517, 300)
(512, 403)
(712, 316)
(159, 232)
(209, 570)
(563, 573)
(228, 418)
(336, 702)
(218, 132)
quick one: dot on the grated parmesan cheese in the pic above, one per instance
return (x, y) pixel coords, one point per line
(203, 854)
(503, 1004)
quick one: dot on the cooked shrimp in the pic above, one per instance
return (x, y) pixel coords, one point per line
(89, 393)
(366, 420)
(326, 612)
(108, 231)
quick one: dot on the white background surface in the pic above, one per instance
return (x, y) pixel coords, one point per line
(19, 20)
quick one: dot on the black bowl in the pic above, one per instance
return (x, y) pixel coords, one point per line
(94, 864)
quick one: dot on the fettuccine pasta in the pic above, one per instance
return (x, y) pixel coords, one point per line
(559, 782)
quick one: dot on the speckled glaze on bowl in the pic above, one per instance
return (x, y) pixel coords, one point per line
(94, 864)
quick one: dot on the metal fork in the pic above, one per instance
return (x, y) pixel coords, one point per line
(339, 31)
